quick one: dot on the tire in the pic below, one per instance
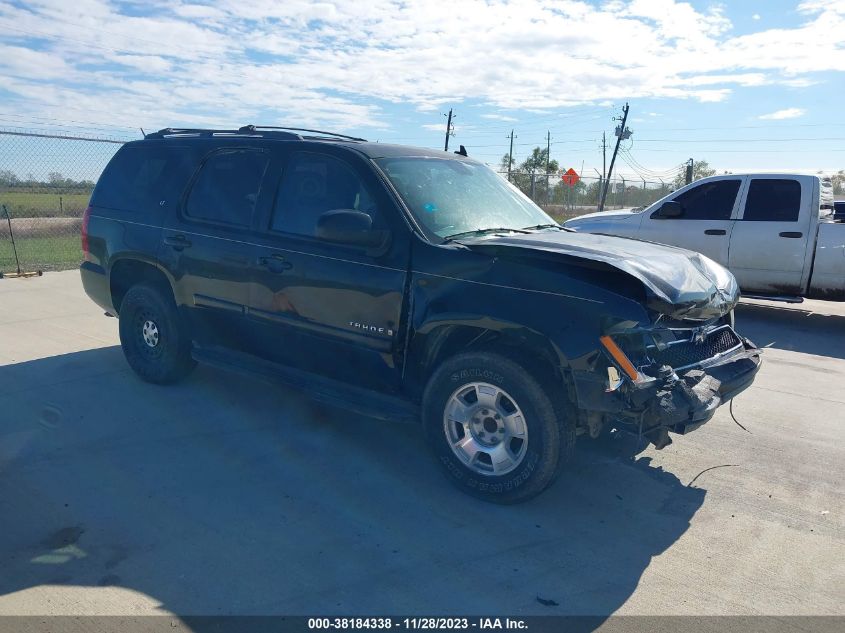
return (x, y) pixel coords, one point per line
(153, 337)
(455, 415)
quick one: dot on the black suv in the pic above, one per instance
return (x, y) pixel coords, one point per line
(407, 283)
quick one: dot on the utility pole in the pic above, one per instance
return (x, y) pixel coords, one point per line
(449, 130)
(688, 175)
(603, 155)
(510, 157)
(548, 153)
(621, 132)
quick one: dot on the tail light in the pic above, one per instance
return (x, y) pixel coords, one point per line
(86, 217)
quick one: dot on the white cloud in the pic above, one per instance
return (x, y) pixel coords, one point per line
(812, 6)
(756, 16)
(498, 117)
(800, 82)
(339, 63)
(787, 113)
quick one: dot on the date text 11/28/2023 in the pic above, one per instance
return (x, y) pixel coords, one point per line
(418, 623)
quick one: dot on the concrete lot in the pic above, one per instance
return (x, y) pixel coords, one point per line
(226, 495)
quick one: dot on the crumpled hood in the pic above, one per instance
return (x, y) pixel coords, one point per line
(680, 284)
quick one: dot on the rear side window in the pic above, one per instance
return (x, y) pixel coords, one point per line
(313, 184)
(144, 177)
(227, 187)
(709, 201)
(773, 200)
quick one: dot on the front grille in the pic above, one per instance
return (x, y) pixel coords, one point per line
(682, 354)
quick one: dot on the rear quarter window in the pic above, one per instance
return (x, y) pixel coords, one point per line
(144, 177)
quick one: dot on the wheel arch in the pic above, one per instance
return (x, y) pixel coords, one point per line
(127, 272)
(437, 341)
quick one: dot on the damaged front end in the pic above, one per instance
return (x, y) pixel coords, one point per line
(672, 373)
(667, 355)
(682, 375)
(667, 378)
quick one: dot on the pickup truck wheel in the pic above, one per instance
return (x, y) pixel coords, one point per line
(152, 336)
(493, 428)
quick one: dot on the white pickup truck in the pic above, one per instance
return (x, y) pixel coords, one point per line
(775, 232)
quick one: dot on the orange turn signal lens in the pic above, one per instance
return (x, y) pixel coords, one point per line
(619, 356)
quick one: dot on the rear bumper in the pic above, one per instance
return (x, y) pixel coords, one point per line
(95, 282)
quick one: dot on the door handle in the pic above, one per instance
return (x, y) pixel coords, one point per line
(178, 242)
(275, 263)
(792, 234)
(715, 232)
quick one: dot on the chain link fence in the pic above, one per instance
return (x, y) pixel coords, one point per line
(563, 201)
(45, 183)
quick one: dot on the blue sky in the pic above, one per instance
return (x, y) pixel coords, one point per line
(750, 85)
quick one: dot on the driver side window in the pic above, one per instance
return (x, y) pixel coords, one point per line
(312, 184)
(709, 201)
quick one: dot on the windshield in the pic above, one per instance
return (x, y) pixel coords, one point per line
(451, 197)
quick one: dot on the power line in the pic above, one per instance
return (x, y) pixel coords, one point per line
(66, 121)
(633, 163)
(66, 128)
(648, 177)
(737, 140)
(490, 131)
(747, 151)
(751, 127)
(568, 119)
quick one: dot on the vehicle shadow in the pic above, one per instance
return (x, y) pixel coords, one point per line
(225, 495)
(792, 329)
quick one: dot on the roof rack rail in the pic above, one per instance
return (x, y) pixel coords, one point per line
(170, 132)
(250, 130)
(257, 128)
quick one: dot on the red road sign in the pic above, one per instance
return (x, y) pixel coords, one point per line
(571, 177)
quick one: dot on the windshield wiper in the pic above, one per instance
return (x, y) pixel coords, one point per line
(537, 227)
(454, 236)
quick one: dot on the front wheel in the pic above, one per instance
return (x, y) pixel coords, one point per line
(152, 336)
(493, 428)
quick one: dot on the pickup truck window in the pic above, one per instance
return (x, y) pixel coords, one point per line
(227, 186)
(773, 200)
(312, 184)
(709, 200)
(839, 210)
(451, 196)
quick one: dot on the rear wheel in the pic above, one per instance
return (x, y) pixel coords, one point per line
(152, 336)
(493, 427)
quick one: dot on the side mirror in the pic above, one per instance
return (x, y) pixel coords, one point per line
(347, 226)
(669, 209)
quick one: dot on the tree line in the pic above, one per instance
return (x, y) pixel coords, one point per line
(55, 182)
